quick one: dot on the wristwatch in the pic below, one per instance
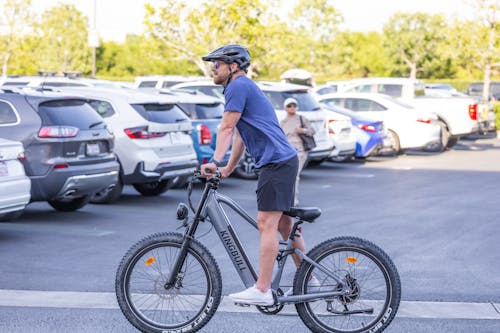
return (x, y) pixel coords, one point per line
(217, 163)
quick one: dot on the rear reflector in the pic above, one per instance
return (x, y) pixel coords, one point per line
(60, 166)
(330, 130)
(57, 132)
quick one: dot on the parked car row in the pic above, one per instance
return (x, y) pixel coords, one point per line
(72, 141)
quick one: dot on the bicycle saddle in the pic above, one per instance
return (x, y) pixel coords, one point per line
(307, 214)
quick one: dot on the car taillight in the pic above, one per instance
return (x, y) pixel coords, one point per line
(368, 128)
(424, 120)
(330, 129)
(204, 135)
(57, 132)
(142, 133)
(473, 111)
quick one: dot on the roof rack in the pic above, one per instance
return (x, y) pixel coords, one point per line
(72, 74)
(47, 73)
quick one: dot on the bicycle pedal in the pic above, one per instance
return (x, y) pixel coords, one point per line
(242, 305)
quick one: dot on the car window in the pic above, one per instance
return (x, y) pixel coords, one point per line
(69, 112)
(327, 90)
(7, 114)
(15, 83)
(361, 104)
(332, 102)
(147, 84)
(160, 113)
(212, 91)
(394, 90)
(365, 88)
(306, 101)
(203, 110)
(103, 108)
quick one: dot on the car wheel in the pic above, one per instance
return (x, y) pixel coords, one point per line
(69, 205)
(11, 215)
(108, 196)
(445, 135)
(315, 162)
(395, 145)
(179, 181)
(152, 188)
(452, 142)
(246, 167)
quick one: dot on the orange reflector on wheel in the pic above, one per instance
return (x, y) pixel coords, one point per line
(150, 261)
(351, 260)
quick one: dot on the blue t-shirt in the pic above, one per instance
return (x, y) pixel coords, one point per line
(258, 126)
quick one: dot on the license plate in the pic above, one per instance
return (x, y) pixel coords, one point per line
(4, 169)
(92, 149)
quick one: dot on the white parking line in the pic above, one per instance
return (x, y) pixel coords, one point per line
(104, 300)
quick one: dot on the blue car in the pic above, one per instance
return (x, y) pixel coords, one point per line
(371, 137)
(205, 113)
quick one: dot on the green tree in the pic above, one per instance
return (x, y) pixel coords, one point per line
(360, 55)
(414, 41)
(189, 31)
(15, 19)
(62, 33)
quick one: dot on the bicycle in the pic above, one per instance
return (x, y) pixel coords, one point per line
(170, 282)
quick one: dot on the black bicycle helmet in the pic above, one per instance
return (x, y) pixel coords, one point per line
(229, 54)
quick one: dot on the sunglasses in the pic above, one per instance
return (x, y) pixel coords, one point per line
(216, 64)
(291, 106)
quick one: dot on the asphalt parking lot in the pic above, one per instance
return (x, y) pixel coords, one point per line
(436, 215)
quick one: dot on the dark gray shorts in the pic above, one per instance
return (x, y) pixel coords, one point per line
(276, 185)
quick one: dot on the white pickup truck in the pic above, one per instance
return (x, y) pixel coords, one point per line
(458, 115)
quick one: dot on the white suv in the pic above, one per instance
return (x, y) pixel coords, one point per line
(162, 81)
(14, 184)
(152, 139)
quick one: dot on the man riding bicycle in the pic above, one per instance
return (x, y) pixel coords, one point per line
(251, 118)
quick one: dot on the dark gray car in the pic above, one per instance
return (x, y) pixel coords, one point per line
(68, 148)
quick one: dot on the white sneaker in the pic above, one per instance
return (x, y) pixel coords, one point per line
(314, 286)
(253, 296)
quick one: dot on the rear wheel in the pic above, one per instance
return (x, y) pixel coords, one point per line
(375, 287)
(69, 205)
(395, 144)
(152, 306)
(152, 188)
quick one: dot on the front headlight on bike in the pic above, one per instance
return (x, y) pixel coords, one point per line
(182, 211)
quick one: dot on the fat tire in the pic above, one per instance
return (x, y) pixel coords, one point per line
(371, 251)
(197, 251)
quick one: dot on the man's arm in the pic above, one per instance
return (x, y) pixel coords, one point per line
(224, 137)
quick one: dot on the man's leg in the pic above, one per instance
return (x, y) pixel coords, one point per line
(285, 228)
(268, 228)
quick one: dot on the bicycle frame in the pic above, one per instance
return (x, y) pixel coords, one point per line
(210, 206)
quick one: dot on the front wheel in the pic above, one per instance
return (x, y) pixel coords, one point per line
(375, 287)
(149, 304)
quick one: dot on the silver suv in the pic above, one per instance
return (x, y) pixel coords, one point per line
(152, 139)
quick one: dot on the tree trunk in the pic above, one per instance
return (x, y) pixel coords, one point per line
(413, 70)
(5, 64)
(487, 67)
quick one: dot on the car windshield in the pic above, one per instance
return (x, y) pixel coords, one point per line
(68, 112)
(160, 113)
(306, 101)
